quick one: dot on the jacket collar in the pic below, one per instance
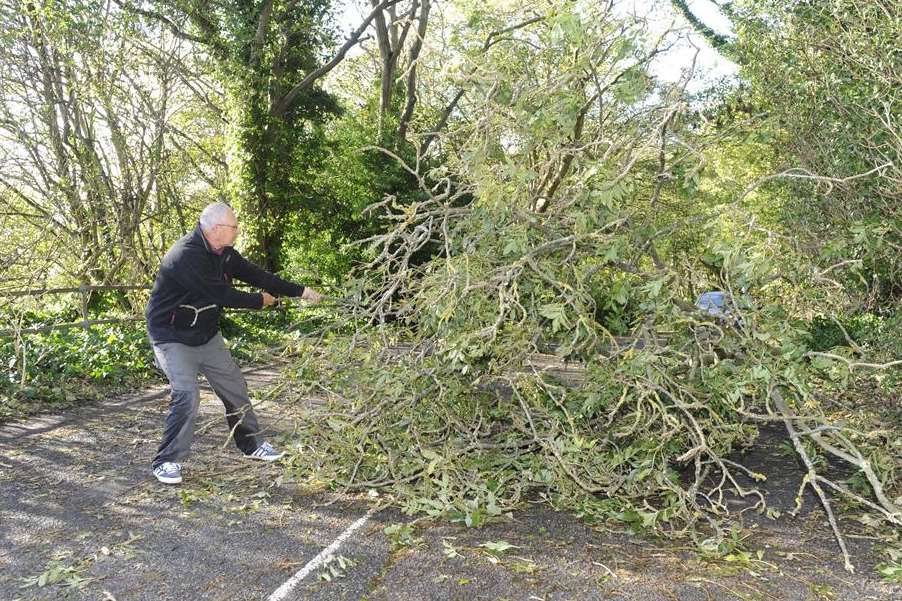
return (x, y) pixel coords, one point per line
(198, 238)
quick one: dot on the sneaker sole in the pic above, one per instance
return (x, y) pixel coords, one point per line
(169, 480)
(266, 459)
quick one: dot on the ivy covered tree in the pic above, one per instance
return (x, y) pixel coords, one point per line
(269, 55)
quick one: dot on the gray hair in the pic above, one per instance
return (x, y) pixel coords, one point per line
(213, 214)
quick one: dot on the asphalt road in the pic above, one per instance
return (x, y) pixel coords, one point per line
(79, 506)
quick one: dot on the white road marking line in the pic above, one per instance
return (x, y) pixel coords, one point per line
(281, 593)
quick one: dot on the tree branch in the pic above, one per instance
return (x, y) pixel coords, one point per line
(717, 41)
(260, 36)
(493, 38)
(285, 102)
(169, 23)
(412, 71)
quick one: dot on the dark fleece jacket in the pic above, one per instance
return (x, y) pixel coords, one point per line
(195, 283)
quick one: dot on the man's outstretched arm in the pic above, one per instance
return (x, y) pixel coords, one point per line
(247, 272)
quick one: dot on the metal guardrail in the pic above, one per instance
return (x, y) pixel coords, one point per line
(85, 322)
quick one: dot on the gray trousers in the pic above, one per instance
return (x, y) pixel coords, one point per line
(181, 364)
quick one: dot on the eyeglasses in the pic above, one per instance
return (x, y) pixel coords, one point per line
(234, 227)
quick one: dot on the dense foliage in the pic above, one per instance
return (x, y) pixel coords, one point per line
(576, 202)
(826, 82)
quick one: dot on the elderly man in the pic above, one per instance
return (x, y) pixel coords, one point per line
(193, 286)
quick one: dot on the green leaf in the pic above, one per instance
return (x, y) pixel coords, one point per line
(498, 546)
(431, 455)
(891, 572)
(555, 312)
(654, 287)
(512, 247)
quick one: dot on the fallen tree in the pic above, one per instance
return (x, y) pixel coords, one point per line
(563, 219)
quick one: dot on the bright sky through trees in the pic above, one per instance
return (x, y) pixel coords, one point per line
(710, 65)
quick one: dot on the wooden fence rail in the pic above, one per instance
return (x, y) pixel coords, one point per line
(82, 289)
(88, 324)
(85, 323)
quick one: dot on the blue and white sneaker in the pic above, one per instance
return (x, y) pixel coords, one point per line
(168, 473)
(265, 452)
